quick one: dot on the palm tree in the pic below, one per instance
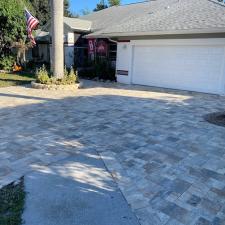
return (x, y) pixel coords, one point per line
(57, 38)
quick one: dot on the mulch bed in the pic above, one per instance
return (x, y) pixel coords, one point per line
(216, 118)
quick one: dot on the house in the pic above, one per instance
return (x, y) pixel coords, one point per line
(177, 44)
(74, 28)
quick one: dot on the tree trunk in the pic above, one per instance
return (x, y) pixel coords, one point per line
(57, 38)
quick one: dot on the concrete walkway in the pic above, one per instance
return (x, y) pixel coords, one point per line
(75, 191)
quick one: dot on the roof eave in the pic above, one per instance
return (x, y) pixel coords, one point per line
(189, 31)
(81, 30)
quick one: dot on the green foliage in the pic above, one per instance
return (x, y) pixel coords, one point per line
(104, 69)
(12, 198)
(114, 2)
(66, 9)
(101, 68)
(66, 73)
(14, 79)
(42, 75)
(7, 62)
(69, 78)
(73, 76)
(12, 29)
(100, 6)
(43, 11)
(12, 25)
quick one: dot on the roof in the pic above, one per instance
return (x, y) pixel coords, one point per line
(42, 36)
(118, 14)
(73, 24)
(159, 17)
(78, 24)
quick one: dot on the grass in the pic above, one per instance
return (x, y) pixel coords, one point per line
(14, 79)
(12, 199)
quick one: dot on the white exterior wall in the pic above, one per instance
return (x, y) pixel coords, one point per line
(123, 62)
(186, 64)
(70, 38)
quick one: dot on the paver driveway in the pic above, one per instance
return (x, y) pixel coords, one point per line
(168, 162)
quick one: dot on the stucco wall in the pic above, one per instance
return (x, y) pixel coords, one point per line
(123, 62)
(206, 65)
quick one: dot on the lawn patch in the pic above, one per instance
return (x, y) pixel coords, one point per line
(13, 79)
(12, 199)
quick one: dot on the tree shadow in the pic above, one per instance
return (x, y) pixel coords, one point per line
(77, 190)
(101, 120)
(24, 97)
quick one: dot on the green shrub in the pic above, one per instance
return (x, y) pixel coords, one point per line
(42, 75)
(73, 76)
(65, 72)
(6, 63)
(76, 77)
(69, 78)
(104, 70)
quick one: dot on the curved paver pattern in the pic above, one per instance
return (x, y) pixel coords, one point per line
(168, 162)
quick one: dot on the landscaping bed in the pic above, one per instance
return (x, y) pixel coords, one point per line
(12, 199)
(45, 80)
(54, 87)
(13, 79)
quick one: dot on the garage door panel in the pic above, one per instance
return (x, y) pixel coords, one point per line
(181, 67)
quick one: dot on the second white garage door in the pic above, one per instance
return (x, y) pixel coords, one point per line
(194, 68)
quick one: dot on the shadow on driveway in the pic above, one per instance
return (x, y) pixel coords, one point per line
(76, 191)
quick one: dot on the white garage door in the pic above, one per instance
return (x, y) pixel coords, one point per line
(194, 68)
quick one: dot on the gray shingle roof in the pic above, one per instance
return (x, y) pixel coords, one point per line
(120, 14)
(163, 16)
(78, 24)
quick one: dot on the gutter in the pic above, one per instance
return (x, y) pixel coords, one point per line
(112, 40)
(125, 34)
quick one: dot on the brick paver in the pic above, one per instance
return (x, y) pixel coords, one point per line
(168, 162)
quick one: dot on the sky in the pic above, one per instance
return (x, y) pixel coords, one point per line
(76, 6)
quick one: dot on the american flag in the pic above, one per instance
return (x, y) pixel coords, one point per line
(32, 22)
